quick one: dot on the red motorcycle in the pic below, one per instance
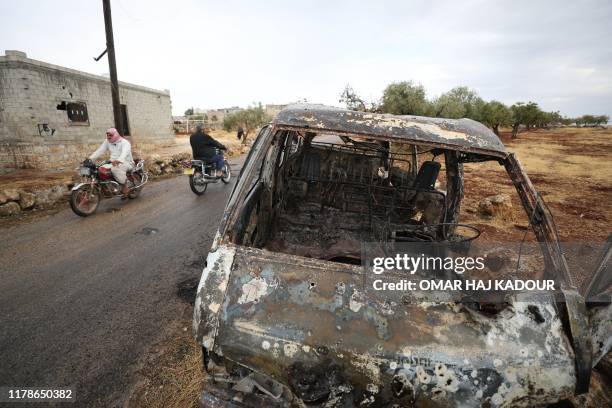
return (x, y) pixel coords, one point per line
(97, 182)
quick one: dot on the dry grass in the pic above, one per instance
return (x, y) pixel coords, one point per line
(572, 170)
(172, 376)
(570, 153)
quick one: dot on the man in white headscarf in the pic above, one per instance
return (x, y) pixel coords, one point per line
(120, 157)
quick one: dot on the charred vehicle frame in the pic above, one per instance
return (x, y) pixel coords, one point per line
(280, 310)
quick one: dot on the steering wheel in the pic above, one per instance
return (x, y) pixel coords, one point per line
(454, 238)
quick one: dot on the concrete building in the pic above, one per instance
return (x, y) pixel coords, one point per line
(217, 115)
(51, 116)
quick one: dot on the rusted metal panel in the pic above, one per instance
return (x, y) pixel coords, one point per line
(457, 134)
(298, 319)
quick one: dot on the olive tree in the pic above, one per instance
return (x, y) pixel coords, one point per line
(459, 102)
(546, 119)
(249, 119)
(524, 114)
(602, 120)
(405, 98)
(495, 114)
(592, 120)
(351, 100)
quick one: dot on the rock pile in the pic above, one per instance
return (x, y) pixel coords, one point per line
(497, 206)
(13, 202)
(157, 166)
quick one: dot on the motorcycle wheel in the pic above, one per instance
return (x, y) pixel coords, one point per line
(197, 188)
(137, 179)
(84, 201)
(227, 172)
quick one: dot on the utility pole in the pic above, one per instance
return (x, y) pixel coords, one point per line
(112, 65)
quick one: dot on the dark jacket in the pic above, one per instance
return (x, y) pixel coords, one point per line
(203, 146)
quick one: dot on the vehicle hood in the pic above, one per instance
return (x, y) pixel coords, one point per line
(313, 326)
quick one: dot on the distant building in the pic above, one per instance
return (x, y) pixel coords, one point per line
(52, 116)
(217, 115)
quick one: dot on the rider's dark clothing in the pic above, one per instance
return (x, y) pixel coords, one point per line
(203, 146)
(218, 160)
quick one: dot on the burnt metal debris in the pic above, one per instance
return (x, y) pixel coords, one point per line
(281, 311)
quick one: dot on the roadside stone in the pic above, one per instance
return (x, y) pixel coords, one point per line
(26, 200)
(50, 196)
(9, 209)
(12, 195)
(155, 169)
(497, 206)
(178, 158)
(58, 192)
(3, 198)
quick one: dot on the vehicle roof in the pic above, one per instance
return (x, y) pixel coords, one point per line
(455, 134)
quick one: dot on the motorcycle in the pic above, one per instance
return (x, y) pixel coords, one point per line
(202, 173)
(97, 182)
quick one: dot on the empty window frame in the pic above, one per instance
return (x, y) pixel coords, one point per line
(76, 111)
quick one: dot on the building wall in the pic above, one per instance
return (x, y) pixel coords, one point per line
(35, 134)
(220, 114)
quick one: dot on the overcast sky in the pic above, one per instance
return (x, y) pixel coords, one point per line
(213, 54)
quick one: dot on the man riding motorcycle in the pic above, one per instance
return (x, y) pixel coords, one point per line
(120, 157)
(204, 148)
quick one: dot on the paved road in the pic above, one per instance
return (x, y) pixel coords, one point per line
(82, 298)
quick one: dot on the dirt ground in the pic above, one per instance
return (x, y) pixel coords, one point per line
(172, 375)
(571, 168)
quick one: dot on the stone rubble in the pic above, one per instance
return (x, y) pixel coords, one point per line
(26, 200)
(497, 206)
(10, 208)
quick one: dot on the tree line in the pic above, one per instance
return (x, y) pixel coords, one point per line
(247, 120)
(408, 98)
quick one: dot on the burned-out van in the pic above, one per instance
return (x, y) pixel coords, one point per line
(286, 313)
